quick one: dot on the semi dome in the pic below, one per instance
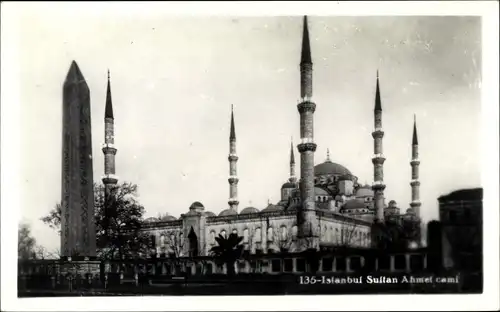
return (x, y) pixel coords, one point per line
(196, 205)
(354, 204)
(248, 210)
(228, 212)
(210, 214)
(318, 191)
(289, 185)
(330, 168)
(272, 207)
(365, 191)
(168, 217)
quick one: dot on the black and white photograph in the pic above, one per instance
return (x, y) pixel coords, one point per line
(187, 151)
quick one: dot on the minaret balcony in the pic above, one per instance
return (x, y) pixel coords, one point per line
(378, 185)
(378, 159)
(233, 201)
(109, 148)
(415, 203)
(378, 133)
(306, 106)
(414, 182)
(233, 179)
(232, 157)
(109, 179)
(415, 162)
(307, 146)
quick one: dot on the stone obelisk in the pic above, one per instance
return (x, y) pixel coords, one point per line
(77, 208)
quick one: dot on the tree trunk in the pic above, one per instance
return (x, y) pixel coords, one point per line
(230, 268)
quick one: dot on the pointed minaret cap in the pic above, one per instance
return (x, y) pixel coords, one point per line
(378, 102)
(74, 74)
(232, 135)
(292, 157)
(415, 139)
(109, 104)
(306, 46)
(328, 155)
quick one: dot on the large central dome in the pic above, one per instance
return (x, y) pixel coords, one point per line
(330, 168)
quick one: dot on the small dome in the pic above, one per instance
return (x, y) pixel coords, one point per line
(210, 214)
(318, 191)
(330, 168)
(354, 204)
(365, 191)
(168, 217)
(410, 211)
(393, 204)
(249, 210)
(272, 207)
(228, 212)
(196, 205)
(289, 185)
(151, 219)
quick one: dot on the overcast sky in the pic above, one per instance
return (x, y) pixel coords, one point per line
(174, 79)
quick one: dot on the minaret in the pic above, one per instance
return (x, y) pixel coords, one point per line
(378, 159)
(293, 178)
(77, 191)
(415, 162)
(306, 215)
(108, 148)
(233, 175)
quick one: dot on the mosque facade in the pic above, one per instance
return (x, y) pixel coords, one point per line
(325, 206)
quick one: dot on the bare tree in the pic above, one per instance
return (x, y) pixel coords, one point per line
(26, 243)
(348, 235)
(283, 240)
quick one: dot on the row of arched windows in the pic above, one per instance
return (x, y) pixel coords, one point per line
(282, 234)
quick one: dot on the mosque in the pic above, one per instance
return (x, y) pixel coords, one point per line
(325, 207)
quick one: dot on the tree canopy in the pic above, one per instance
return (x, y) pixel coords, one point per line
(118, 218)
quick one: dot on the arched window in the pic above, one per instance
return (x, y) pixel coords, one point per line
(294, 232)
(162, 240)
(283, 233)
(212, 237)
(223, 233)
(235, 231)
(270, 234)
(337, 236)
(245, 236)
(324, 235)
(181, 239)
(258, 235)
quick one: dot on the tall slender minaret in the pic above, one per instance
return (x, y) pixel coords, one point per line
(109, 179)
(293, 178)
(378, 158)
(415, 162)
(233, 174)
(306, 215)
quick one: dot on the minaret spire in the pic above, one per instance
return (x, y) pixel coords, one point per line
(378, 158)
(415, 139)
(378, 102)
(305, 57)
(232, 135)
(233, 159)
(328, 155)
(415, 163)
(109, 179)
(306, 214)
(109, 104)
(293, 178)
